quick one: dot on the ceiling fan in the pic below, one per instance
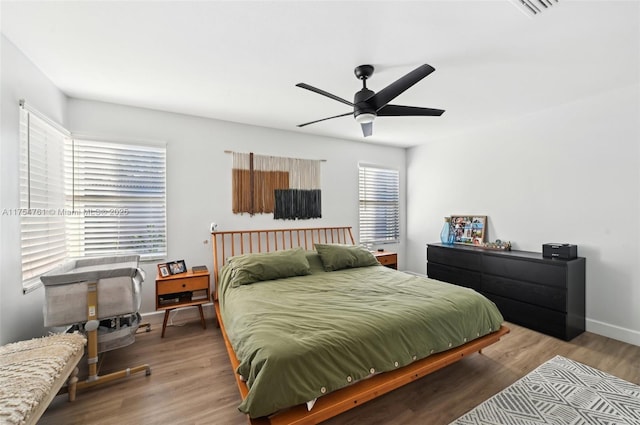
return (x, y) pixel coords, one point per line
(367, 105)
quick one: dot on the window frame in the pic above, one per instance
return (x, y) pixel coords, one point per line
(63, 207)
(390, 177)
(125, 172)
(41, 199)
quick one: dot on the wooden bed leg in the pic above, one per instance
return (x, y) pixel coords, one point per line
(204, 324)
(164, 323)
(72, 384)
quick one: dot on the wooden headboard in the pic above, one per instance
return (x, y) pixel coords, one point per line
(236, 242)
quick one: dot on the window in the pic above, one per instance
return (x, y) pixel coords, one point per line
(379, 205)
(86, 198)
(116, 198)
(42, 228)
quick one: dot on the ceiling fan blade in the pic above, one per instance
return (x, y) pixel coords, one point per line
(367, 128)
(324, 93)
(324, 119)
(408, 111)
(394, 89)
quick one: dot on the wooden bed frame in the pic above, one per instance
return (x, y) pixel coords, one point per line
(229, 243)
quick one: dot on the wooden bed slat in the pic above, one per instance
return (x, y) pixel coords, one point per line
(232, 242)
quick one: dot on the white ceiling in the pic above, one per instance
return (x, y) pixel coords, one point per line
(239, 60)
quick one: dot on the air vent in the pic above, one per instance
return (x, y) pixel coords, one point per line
(534, 7)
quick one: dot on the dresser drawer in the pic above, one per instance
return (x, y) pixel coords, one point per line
(543, 296)
(534, 317)
(454, 257)
(193, 283)
(531, 271)
(449, 274)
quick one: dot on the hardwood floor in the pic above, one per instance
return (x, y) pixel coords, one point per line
(192, 381)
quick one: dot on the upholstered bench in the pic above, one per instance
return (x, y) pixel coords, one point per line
(33, 372)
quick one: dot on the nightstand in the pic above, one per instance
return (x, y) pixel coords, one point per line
(386, 258)
(182, 290)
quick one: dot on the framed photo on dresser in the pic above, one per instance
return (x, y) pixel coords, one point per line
(469, 229)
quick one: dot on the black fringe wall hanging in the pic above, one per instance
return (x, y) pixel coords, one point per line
(297, 204)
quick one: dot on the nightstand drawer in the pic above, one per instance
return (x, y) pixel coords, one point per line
(192, 283)
(385, 260)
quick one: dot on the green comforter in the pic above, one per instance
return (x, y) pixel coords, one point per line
(301, 337)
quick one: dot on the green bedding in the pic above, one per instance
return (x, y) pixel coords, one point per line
(301, 337)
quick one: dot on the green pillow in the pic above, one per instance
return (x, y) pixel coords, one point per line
(315, 263)
(250, 268)
(338, 256)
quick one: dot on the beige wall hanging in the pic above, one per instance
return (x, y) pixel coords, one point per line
(287, 187)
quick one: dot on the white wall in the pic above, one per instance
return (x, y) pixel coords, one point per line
(198, 177)
(199, 172)
(20, 315)
(568, 174)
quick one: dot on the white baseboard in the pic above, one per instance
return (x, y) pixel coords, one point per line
(611, 331)
(179, 315)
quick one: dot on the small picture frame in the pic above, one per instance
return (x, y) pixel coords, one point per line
(177, 267)
(163, 270)
(469, 229)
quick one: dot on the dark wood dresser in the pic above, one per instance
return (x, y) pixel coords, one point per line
(543, 294)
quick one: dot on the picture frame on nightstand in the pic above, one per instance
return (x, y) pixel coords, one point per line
(177, 267)
(163, 270)
(171, 268)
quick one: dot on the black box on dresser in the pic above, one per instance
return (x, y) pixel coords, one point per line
(564, 251)
(543, 294)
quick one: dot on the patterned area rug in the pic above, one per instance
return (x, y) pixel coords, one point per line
(561, 392)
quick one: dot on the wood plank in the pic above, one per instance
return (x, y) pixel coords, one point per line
(223, 239)
(192, 382)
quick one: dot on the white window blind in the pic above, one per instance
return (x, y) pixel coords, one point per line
(116, 193)
(379, 205)
(42, 224)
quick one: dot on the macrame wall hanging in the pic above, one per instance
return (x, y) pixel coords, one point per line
(287, 187)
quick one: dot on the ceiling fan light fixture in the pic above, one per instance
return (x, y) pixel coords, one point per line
(365, 118)
(367, 104)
